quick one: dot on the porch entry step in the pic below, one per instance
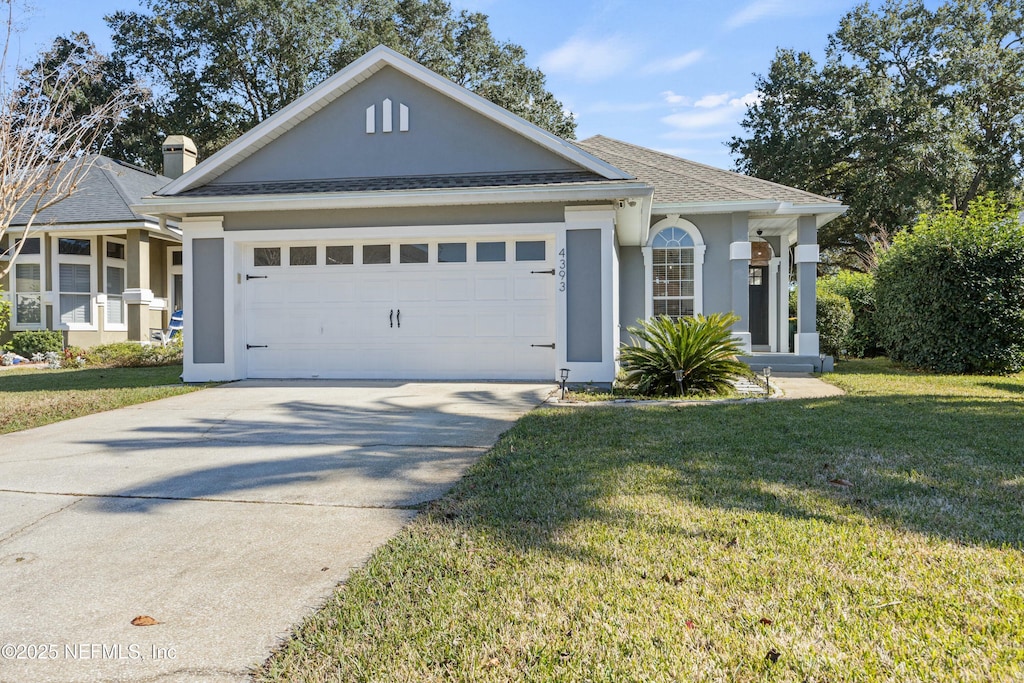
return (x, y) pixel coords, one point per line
(784, 362)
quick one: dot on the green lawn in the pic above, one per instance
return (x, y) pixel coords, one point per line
(706, 543)
(32, 397)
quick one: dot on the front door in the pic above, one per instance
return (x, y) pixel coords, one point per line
(758, 279)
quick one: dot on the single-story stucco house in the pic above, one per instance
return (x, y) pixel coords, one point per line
(93, 267)
(391, 224)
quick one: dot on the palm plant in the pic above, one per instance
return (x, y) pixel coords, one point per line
(703, 348)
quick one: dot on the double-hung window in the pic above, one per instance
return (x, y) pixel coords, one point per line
(74, 280)
(114, 282)
(27, 292)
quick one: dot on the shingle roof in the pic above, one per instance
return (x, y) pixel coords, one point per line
(105, 195)
(396, 183)
(677, 180)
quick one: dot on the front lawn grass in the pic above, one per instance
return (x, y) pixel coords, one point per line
(33, 397)
(876, 536)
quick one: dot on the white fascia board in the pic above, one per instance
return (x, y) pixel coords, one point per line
(789, 209)
(346, 79)
(178, 206)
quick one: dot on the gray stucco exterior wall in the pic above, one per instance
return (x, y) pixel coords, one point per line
(583, 296)
(444, 137)
(381, 218)
(632, 289)
(207, 319)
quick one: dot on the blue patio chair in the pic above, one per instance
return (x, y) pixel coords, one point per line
(176, 325)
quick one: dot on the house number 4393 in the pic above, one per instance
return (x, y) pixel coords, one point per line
(561, 270)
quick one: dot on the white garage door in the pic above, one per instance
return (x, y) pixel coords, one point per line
(452, 309)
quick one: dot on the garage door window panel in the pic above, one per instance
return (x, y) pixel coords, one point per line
(263, 257)
(302, 256)
(376, 254)
(451, 252)
(413, 253)
(340, 255)
(530, 251)
(490, 252)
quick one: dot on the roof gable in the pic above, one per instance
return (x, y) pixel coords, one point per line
(386, 116)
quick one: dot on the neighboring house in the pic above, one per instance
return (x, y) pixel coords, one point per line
(391, 224)
(92, 267)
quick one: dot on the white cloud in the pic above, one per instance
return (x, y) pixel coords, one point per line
(712, 110)
(758, 10)
(672, 64)
(590, 59)
(673, 98)
(712, 101)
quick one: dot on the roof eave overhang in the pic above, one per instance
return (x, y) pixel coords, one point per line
(824, 212)
(184, 206)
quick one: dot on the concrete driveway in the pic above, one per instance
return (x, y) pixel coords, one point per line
(226, 515)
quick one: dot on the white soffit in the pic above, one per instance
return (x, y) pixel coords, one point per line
(351, 76)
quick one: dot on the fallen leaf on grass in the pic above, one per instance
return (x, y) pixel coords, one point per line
(144, 620)
(733, 543)
(492, 662)
(772, 656)
(691, 624)
(841, 482)
(765, 621)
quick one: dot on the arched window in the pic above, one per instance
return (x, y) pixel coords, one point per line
(675, 269)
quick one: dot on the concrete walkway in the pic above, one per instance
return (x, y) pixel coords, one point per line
(226, 515)
(796, 385)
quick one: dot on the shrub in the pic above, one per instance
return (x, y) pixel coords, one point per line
(859, 290)
(28, 344)
(702, 347)
(950, 294)
(835, 320)
(133, 355)
(5, 313)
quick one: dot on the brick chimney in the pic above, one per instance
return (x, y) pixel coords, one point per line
(179, 155)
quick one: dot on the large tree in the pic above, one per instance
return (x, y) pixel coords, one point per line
(52, 115)
(910, 105)
(219, 67)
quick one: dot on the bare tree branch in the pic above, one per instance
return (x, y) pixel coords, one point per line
(43, 140)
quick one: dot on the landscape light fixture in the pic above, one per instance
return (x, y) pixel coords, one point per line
(680, 374)
(767, 376)
(565, 378)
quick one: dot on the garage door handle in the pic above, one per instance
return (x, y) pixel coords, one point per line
(543, 346)
(399, 317)
(391, 318)
(255, 277)
(255, 346)
(542, 272)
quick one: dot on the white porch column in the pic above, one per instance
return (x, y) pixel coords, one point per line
(739, 260)
(807, 257)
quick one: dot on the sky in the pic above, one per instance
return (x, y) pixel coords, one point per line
(673, 75)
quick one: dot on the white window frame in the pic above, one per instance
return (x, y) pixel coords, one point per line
(58, 259)
(173, 270)
(26, 259)
(699, 250)
(109, 262)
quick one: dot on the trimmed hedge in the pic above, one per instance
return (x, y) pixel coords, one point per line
(859, 289)
(132, 355)
(950, 293)
(28, 344)
(5, 313)
(835, 320)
